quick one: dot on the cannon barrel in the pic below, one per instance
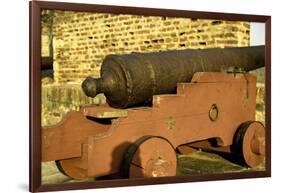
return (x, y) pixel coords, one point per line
(132, 79)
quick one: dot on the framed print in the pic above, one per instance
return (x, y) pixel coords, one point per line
(123, 96)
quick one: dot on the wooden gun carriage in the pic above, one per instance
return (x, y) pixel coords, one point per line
(135, 140)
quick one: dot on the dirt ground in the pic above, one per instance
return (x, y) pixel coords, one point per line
(197, 163)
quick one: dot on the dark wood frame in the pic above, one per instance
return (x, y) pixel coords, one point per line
(35, 8)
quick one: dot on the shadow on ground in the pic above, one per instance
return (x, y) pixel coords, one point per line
(196, 163)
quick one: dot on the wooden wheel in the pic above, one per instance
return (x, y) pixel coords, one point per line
(249, 143)
(75, 168)
(60, 168)
(149, 156)
(69, 168)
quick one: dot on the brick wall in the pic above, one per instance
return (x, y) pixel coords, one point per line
(45, 38)
(82, 40)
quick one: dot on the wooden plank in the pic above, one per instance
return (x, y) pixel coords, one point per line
(104, 112)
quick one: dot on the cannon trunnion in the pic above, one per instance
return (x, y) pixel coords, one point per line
(140, 142)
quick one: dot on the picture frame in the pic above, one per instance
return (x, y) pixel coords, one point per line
(35, 8)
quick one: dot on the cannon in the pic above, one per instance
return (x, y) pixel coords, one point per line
(157, 102)
(132, 79)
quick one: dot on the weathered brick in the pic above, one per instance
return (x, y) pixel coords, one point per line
(82, 40)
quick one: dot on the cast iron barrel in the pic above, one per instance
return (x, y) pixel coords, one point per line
(132, 79)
